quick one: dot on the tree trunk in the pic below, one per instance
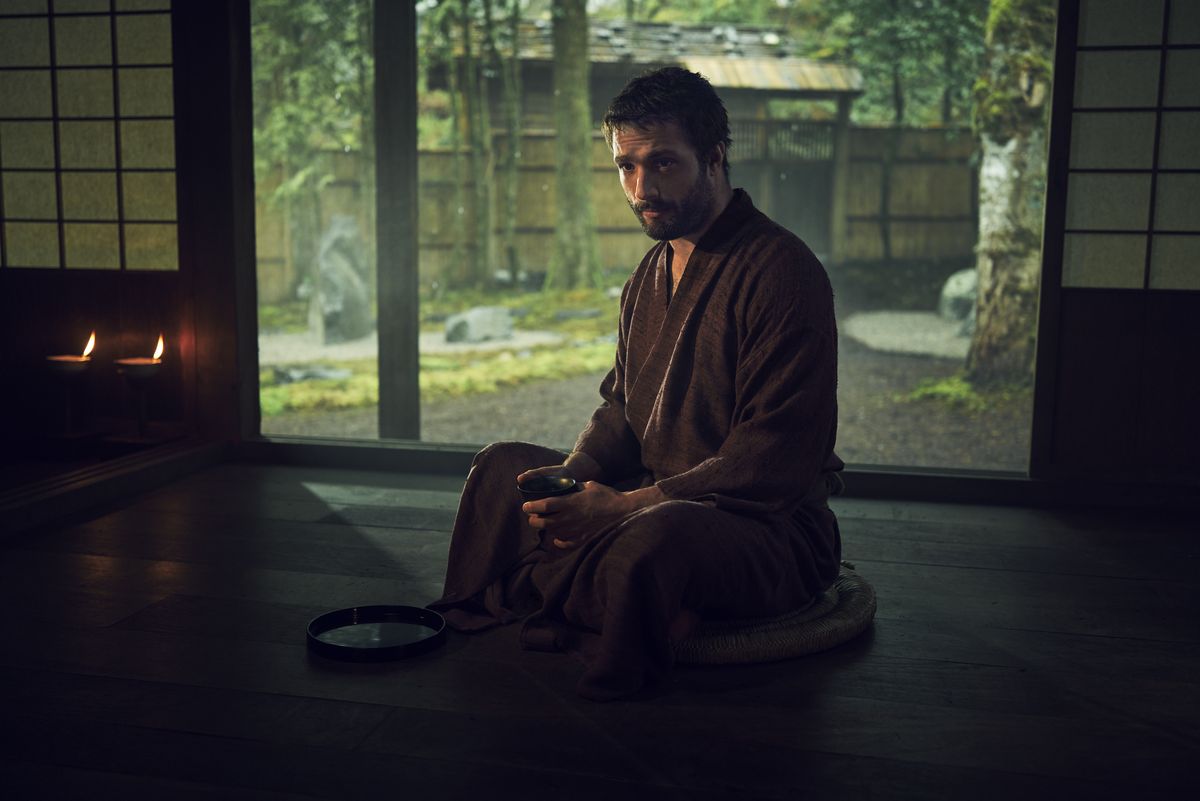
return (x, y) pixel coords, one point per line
(366, 161)
(1010, 112)
(479, 139)
(457, 274)
(897, 79)
(949, 75)
(511, 100)
(575, 259)
(897, 96)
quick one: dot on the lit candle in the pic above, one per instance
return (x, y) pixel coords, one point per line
(69, 363)
(141, 366)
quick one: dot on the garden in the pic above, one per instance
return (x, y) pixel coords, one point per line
(519, 211)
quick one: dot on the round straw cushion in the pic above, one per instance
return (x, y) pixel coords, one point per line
(839, 614)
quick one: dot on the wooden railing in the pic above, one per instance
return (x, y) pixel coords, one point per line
(781, 141)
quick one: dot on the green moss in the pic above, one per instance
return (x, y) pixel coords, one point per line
(1020, 44)
(441, 377)
(958, 393)
(283, 318)
(955, 391)
(462, 374)
(323, 394)
(538, 310)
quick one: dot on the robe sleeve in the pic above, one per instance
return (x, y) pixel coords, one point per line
(781, 436)
(608, 437)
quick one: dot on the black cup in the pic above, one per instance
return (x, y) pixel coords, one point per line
(538, 487)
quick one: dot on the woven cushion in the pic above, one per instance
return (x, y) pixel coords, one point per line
(839, 614)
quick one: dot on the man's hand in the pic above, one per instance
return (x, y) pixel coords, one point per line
(578, 466)
(575, 517)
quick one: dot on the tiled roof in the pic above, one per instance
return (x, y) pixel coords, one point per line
(739, 57)
(776, 74)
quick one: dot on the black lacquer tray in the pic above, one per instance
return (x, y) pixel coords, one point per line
(376, 633)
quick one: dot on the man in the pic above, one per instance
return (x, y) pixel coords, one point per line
(704, 470)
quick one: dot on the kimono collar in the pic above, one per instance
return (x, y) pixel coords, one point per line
(728, 224)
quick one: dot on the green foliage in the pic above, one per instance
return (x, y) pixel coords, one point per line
(918, 57)
(441, 377)
(540, 310)
(959, 393)
(1010, 95)
(460, 374)
(313, 86)
(360, 389)
(283, 318)
(955, 391)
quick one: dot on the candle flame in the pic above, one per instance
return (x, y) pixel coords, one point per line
(87, 351)
(158, 351)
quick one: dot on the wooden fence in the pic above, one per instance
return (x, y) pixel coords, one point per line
(912, 195)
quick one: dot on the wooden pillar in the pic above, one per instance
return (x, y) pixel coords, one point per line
(215, 163)
(841, 182)
(396, 218)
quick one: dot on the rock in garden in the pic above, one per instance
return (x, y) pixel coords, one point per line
(290, 375)
(340, 309)
(957, 301)
(479, 324)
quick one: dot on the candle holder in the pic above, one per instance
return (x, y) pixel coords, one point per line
(67, 370)
(68, 366)
(139, 372)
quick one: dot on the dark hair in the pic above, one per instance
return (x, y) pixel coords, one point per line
(672, 94)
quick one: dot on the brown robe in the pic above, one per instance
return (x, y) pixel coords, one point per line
(724, 395)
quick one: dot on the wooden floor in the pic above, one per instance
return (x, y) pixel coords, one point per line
(156, 650)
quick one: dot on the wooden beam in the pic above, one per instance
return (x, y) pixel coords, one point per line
(1049, 330)
(396, 219)
(841, 182)
(216, 212)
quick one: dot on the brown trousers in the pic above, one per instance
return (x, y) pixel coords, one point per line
(611, 600)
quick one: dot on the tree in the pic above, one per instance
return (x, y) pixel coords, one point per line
(510, 185)
(1010, 114)
(461, 39)
(576, 260)
(443, 25)
(918, 57)
(479, 139)
(313, 87)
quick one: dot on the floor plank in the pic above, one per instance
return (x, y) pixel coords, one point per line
(55, 782)
(264, 717)
(1017, 653)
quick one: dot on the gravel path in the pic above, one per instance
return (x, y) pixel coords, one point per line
(912, 332)
(874, 428)
(302, 348)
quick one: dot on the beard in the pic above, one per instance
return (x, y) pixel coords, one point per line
(677, 219)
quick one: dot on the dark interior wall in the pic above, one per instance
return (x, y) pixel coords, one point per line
(45, 312)
(51, 311)
(216, 184)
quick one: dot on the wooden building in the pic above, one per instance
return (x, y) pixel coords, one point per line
(1036, 634)
(797, 169)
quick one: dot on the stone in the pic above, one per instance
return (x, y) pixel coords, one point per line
(316, 372)
(340, 308)
(957, 301)
(479, 324)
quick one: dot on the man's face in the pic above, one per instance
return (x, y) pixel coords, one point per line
(668, 187)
